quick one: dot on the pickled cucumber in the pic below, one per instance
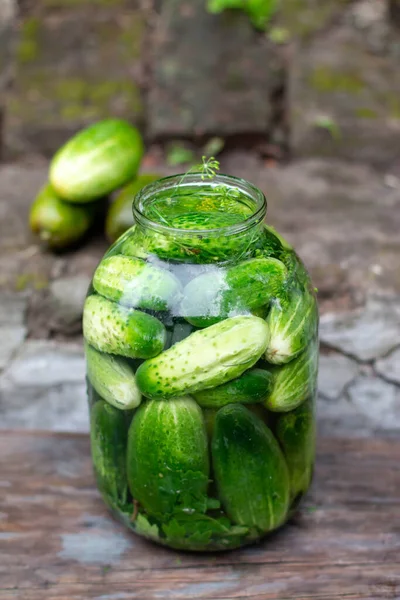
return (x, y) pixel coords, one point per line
(96, 161)
(293, 322)
(113, 329)
(296, 433)
(251, 473)
(113, 378)
(120, 217)
(108, 439)
(134, 283)
(251, 285)
(251, 387)
(205, 358)
(294, 382)
(59, 224)
(168, 464)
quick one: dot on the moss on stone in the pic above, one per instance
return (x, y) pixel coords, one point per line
(303, 18)
(132, 36)
(48, 99)
(366, 113)
(76, 3)
(327, 80)
(28, 47)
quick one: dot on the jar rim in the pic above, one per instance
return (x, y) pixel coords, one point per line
(196, 179)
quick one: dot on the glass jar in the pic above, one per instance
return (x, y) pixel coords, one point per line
(201, 339)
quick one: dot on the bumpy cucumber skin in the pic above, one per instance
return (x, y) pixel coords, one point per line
(96, 161)
(113, 329)
(205, 358)
(296, 433)
(251, 285)
(293, 323)
(59, 224)
(134, 283)
(167, 455)
(119, 216)
(251, 387)
(250, 469)
(108, 440)
(112, 378)
(294, 382)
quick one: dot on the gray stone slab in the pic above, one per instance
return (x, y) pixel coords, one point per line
(369, 406)
(335, 373)
(344, 88)
(67, 299)
(377, 401)
(366, 334)
(42, 363)
(11, 339)
(54, 408)
(74, 65)
(12, 325)
(212, 74)
(12, 308)
(389, 367)
(44, 388)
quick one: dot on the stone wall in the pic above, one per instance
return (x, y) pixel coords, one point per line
(324, 72)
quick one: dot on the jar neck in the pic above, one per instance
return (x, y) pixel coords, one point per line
(178, 187)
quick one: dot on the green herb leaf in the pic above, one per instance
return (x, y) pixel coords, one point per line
(145, 528)
(199, 531)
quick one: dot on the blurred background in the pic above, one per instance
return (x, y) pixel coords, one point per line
(301, 97)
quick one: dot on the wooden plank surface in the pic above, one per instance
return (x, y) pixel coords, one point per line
(57, 541)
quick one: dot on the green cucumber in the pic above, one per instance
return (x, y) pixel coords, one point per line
(96, 161)
(296, 432)
(114, 329)
(168, 464)
(133, 282)
(250, 470)
(293, 322)
(294, 382)
(205, 358)
(251, 387)
(113, 378)
(59, 224)
(215, 295)
(120, 217)
(108, 441)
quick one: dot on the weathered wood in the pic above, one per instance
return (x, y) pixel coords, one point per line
(57, 541)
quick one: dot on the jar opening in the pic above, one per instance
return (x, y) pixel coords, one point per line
(224, 205)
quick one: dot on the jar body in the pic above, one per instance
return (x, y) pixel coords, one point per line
(202, 357)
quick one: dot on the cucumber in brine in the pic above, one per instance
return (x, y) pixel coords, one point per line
(251, 387)
(293, 322)
(296, 433)
(114, 329)
(251, 473)
(168, 465)
(113, 378)
(205, 358)
(294, 382)
(108, 440)
(133, 282)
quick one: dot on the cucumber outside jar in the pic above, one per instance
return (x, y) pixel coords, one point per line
(201, 334)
